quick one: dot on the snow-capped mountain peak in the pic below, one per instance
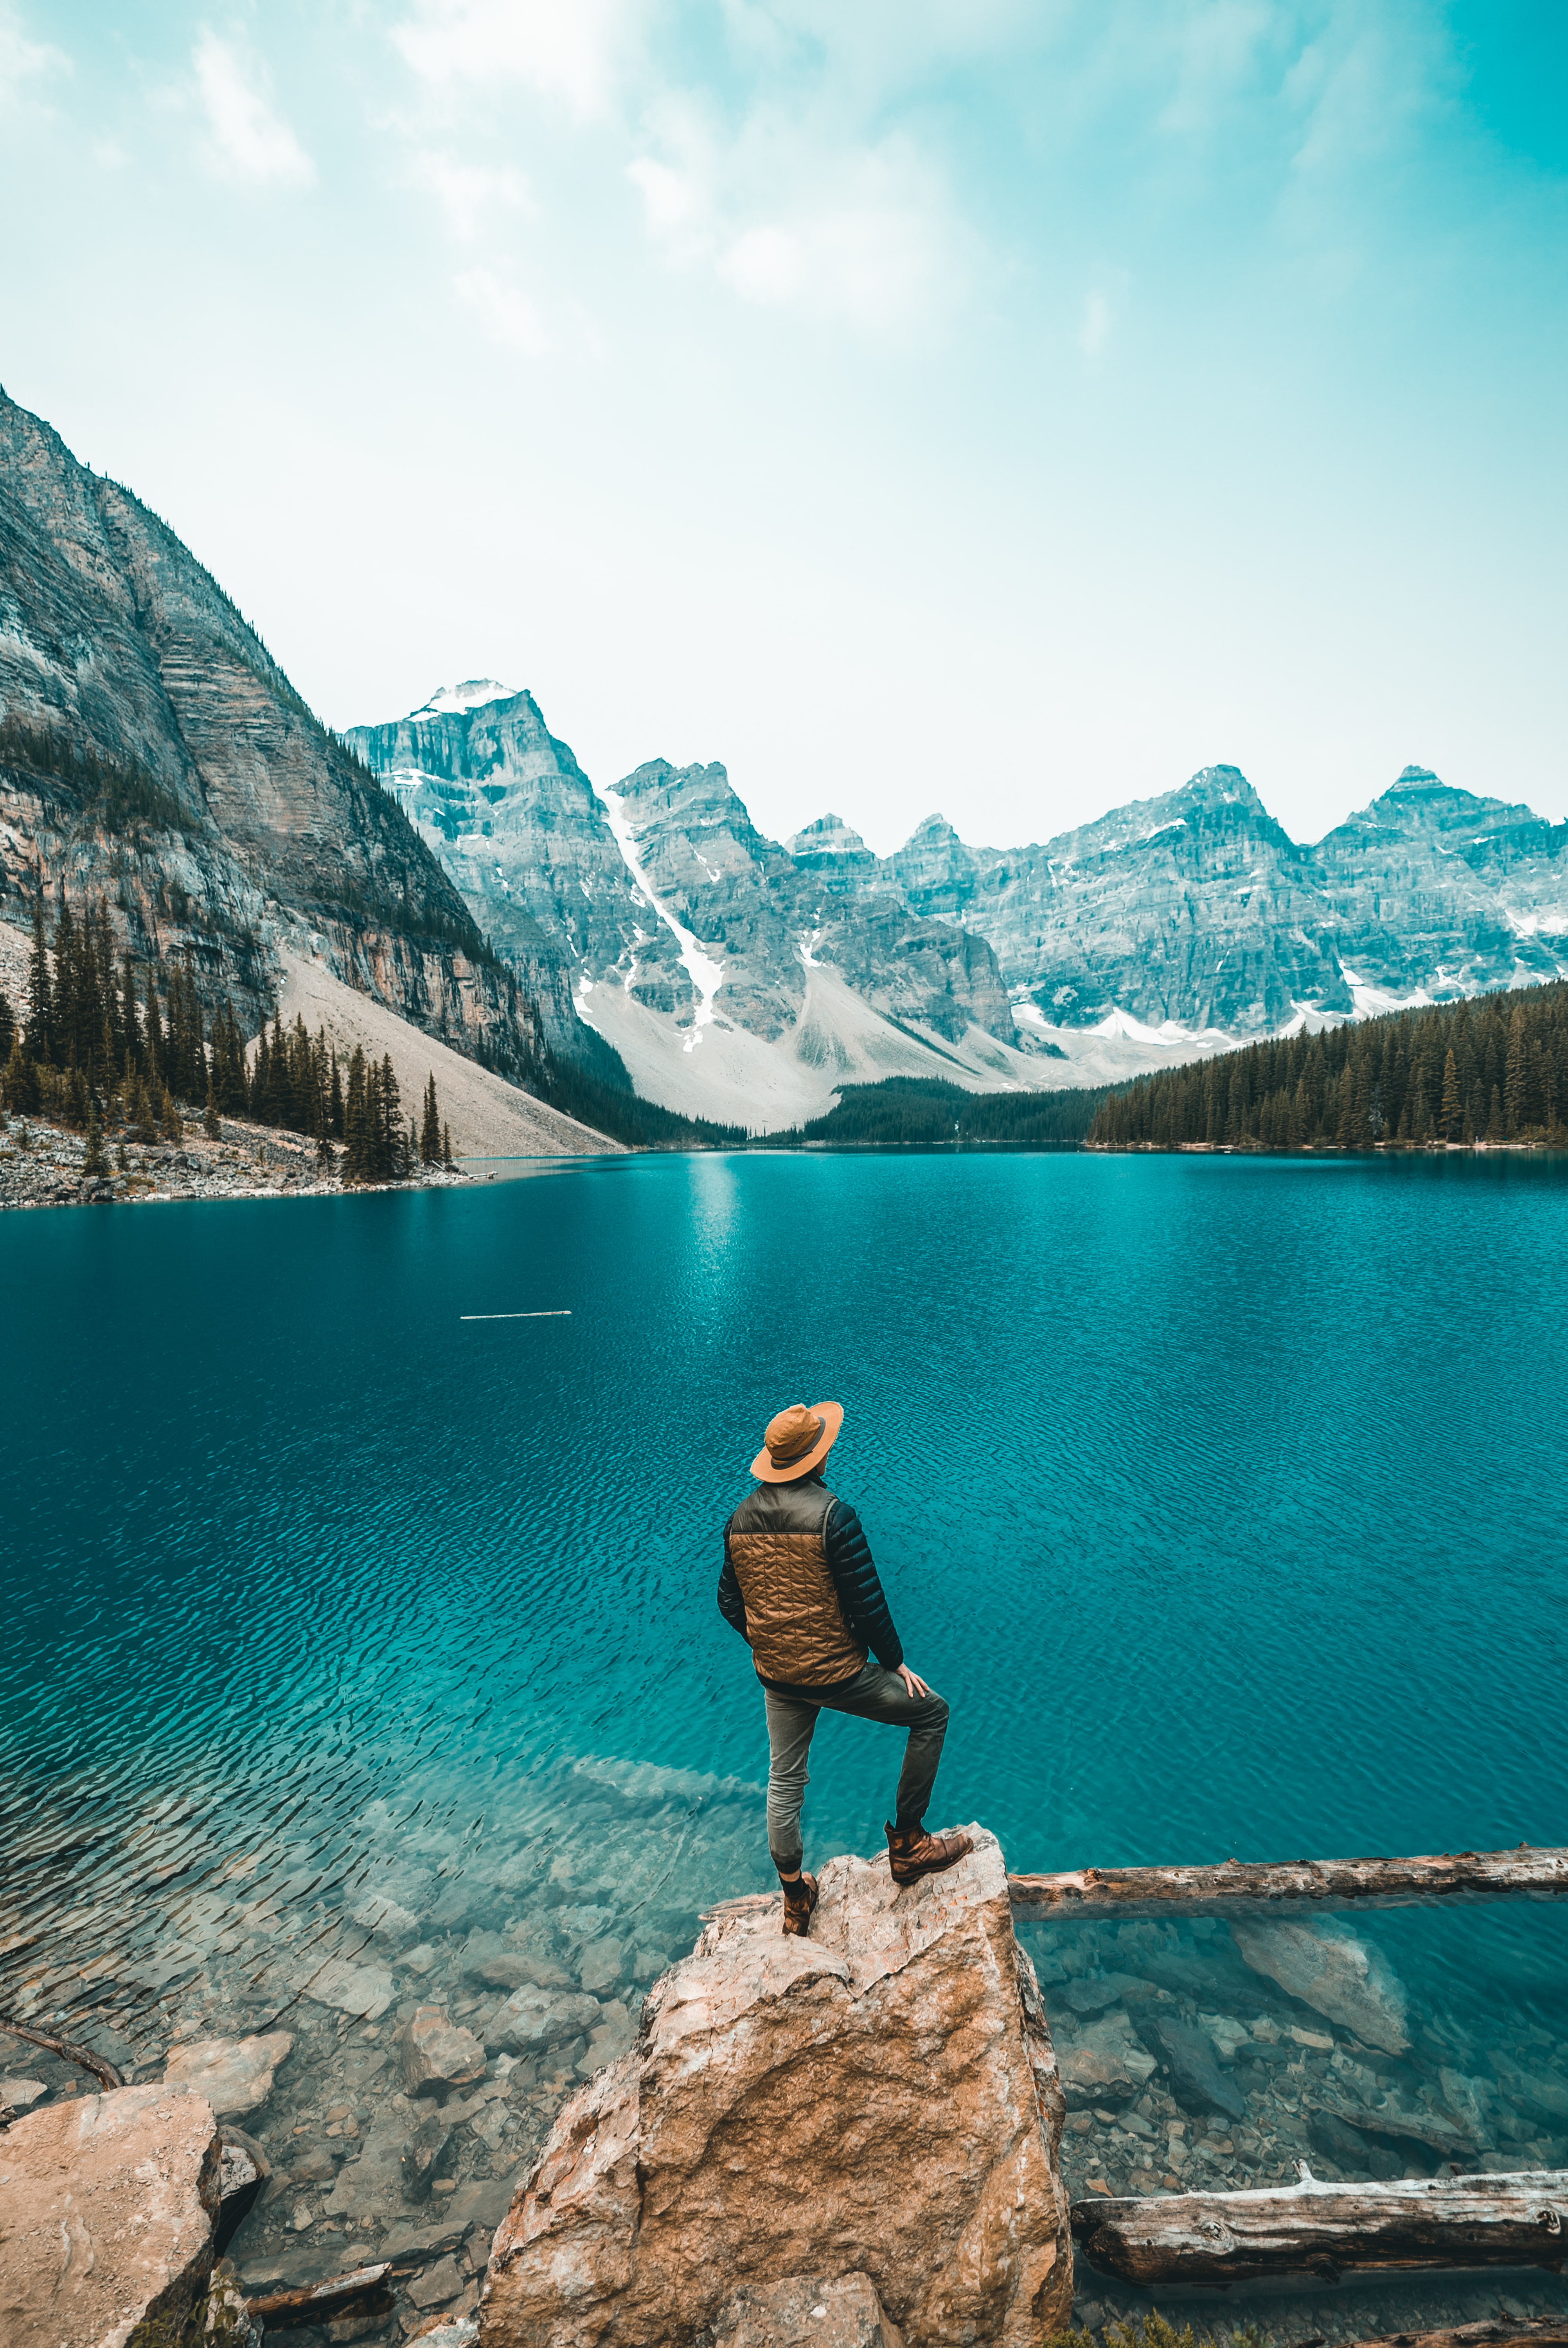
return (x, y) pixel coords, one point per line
(456, 700)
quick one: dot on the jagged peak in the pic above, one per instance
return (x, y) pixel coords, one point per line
(828, 835)
(457, 700)
(1409, 775)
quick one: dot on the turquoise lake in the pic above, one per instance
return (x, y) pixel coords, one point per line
(1223, 1497)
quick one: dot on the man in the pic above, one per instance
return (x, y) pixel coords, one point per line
(800, 1586)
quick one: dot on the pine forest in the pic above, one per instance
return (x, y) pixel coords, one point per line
(1492, 1070)
(127, 1051)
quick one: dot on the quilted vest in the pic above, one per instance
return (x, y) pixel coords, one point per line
(793, 1618)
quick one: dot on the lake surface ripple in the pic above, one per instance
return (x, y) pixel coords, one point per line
(1223, 1498)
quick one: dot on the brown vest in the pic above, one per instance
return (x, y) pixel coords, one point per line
(793, 1618)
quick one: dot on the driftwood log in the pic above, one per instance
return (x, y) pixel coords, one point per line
(68, 2050)
(1529, 2331)
(364, 2292)
(1090, 1894)
(1327, 2230)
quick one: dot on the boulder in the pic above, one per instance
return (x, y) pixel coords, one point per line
(234, 2075)
(1096, 2074)
(425, 2156)
(365, 1991)
(534, 2018)
(803, 2309)
(502, 1964)
(108, 2209)
(1334, 1971)
(436, 2055)
(878, 2097)
(1197, 2079)
(21, 2095)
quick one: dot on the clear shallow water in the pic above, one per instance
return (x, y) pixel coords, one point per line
(1222, 1498)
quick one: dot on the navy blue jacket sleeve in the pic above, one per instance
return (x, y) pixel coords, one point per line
(732, 1605)
(859, 1590)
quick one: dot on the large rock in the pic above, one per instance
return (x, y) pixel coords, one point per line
(108, 2208)
(534, 2018)
(879, 2098)
(1330, 1969)
(234, 2075)
(436, 2055)
(805, 2312)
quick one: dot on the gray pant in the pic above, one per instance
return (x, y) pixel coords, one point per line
(871, 1695)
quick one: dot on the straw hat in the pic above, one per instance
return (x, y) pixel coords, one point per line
(796, 1441)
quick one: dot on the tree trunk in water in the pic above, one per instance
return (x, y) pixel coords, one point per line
(1530, 2332)
(1328, 2231)
(1088, 1894)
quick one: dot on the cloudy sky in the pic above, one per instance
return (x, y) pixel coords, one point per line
(967, 405)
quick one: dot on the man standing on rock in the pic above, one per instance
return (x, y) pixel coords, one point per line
(800, 1586)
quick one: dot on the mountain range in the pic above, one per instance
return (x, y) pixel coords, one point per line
(459, 868)
(743, 978)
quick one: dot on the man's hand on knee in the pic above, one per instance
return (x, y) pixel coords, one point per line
(914, 1685)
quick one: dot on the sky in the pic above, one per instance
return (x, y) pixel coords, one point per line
(967, 406)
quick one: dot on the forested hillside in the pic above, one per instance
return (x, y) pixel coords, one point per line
(923, 1111)
(1491, 1069)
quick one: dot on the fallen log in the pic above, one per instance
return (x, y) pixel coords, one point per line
(102, 2071)
(1529, 2331)
(1089, 1894)
(364, 2292)
(1327, 2230)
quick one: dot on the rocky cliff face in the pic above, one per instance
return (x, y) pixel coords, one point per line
(656, 916)
(152, 751)
(1197, 908)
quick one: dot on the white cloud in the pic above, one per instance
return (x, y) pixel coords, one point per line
(1098, 318)
(466, 192)
(21, 61)
(247, 139)
(790, 210)
(508, 317)
(575, 49)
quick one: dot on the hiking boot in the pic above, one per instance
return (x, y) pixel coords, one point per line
(912, 1853)
(800, 1905)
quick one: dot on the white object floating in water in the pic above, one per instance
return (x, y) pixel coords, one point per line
(558, 1315)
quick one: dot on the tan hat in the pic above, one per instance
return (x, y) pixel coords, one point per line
(796, 1441)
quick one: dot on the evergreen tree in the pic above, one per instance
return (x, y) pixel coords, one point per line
(7, 1028)
(334, 1102)
(40, 995)
(1450, 1116)
(357, 1153)
(447, 1156)
(210, 1125)
(392, 1144)
(430, 1133)
(1513, 1082)
(1495, 1128)
(170, 1124)
(21, 1079)
(95, 1165)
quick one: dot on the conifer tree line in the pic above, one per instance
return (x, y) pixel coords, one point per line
(107, 1043)
(1491, 1069)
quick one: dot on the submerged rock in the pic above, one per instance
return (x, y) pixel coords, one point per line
(804, 2309)
(879, 2097)
(1195, 2075)
(534, 2018)
(108, 2208)
(436, 2055)
(425, 2156)
(235, 2075)
(1332, 1970)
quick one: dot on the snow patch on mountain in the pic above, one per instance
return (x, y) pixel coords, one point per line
(706, 975)
(454, 700)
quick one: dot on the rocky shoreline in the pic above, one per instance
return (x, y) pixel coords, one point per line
(43, 1165)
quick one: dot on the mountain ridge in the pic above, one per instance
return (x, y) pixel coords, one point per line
(1173, 926)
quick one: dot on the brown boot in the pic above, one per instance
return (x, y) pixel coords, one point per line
(912, 1853)
(800, 1899)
